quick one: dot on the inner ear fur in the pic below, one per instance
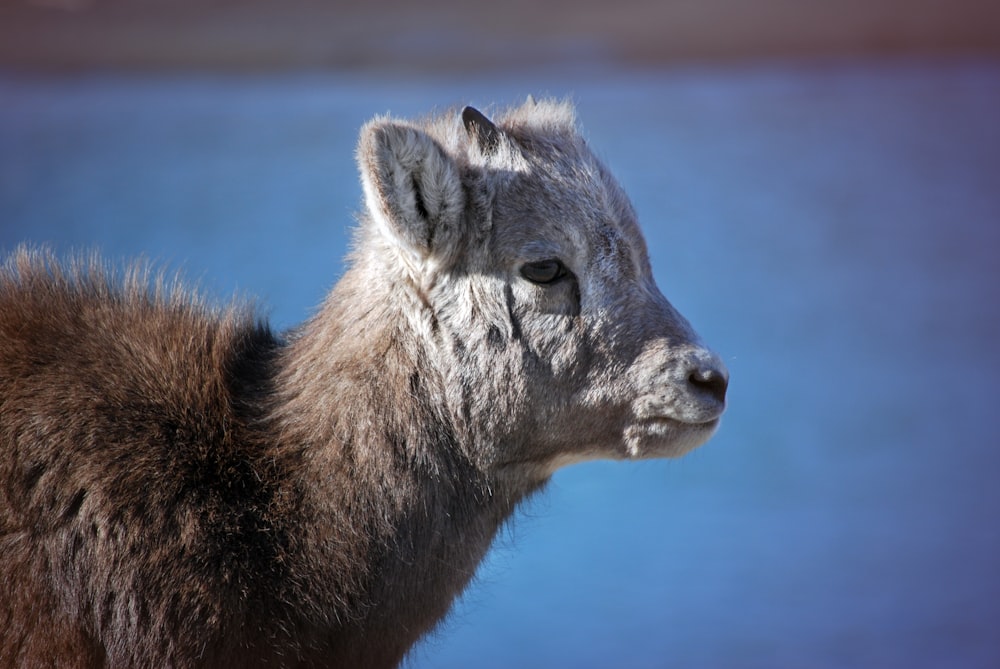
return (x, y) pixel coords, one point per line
(413, 190)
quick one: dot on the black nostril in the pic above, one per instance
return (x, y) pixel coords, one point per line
(711, 381)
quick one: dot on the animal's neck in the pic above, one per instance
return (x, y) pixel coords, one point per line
(402, 514)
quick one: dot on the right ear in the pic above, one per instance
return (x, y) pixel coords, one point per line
(412, 188)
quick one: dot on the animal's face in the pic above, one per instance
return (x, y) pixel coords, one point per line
(530, 281)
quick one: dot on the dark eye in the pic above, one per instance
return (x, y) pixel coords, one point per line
(544, 271)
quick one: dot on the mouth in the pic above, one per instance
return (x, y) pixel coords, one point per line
(667, 437)
(675, 423)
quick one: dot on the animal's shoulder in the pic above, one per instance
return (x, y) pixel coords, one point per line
(130, 408)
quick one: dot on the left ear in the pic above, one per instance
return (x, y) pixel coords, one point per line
(412, 188)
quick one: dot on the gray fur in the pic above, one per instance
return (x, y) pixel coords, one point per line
(179, 487)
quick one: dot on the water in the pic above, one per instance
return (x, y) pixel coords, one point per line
(831, 229)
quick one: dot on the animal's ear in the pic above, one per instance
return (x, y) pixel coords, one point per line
(412, 188)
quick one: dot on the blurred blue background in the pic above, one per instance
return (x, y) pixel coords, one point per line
(830, 224)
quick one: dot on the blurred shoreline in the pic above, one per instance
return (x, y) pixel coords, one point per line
(447, 36)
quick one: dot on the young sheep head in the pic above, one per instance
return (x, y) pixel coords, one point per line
(521, 264)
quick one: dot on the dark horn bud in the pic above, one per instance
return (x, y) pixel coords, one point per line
(486, 134)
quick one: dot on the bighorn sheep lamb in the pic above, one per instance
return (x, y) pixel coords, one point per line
(182, 487)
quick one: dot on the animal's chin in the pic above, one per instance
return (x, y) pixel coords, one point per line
(665, 437)
(656, 437)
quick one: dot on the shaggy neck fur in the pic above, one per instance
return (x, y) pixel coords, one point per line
(384, 465)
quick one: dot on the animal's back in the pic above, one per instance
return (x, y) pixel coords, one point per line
(138, 498)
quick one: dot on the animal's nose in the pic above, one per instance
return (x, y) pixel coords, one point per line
(711, 380)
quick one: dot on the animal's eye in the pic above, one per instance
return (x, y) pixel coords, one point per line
(544, 271)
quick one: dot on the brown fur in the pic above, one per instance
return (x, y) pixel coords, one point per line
(181, 487)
